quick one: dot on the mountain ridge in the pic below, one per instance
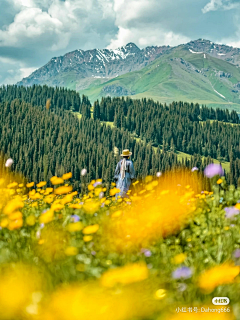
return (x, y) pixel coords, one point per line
(199, 70)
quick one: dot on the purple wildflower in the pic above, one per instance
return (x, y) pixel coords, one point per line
(183, 272)
(236, 253)
(231, 212)
(97, 184)
(194, 169)
(147, 253)
(75, 218)
(42, 225)
(213, 169)
(93, 253)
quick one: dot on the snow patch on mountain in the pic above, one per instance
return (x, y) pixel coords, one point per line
(194, 51)
(221, 95)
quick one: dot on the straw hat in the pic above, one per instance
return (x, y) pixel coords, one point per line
(126, 153)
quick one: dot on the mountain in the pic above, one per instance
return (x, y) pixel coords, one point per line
(198, 71)
(78, 69)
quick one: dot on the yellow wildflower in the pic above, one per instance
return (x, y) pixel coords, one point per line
(15, 215)
(237, 206)
(12, 185)
(116, 214)
(91, 229)
(31, 220)
(67, 176)
(46, 217)
(114, 191)
(13, 205)
(87, 238)
(57, 206)
(75, 206)
(91, 206)
(4, 223)
(63, 190)
(219, 181)
(179, 258)
(20, 185)
(73, 227)
(216, 276)
(160, 294)
(30, 184)
(128, 274)
(49, 199)
(90, 187)
(71, 251)
(16, 224)
(36, 196)
(41, 184)
(56, 180)
(68, 198)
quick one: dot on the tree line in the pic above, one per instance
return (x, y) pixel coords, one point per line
(46, 142)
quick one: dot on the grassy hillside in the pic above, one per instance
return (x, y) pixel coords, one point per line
(178, 75)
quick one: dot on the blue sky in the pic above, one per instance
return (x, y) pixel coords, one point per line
(34, 31)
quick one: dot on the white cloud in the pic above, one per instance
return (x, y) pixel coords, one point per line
(54, 26)
(135, 22)
(215, 5)
(17, 74)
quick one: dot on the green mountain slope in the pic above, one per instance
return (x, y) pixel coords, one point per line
(178, 75)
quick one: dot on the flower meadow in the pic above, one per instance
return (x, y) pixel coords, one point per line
(163, 252)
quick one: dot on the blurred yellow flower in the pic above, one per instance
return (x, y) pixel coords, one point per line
(124, 275)
(75, 206)
(71, 251)
(49, 198)
(67, 176)
(56, 180)
(91, 229)
(179, 258)
(30, 221)
(12, 206)
(73, 227)
(41, 184)
(46, 217)
(114, 191)
(63, 190)
(68, 198)
(87, 238)
(219, 181)
(57, 206)
(216, 276)
(91, 206)
(12, 185)
(93, 302)
(4, 223)
(20, 185)
(116, 214)
(16, 289)
(36, 196)
(160, 294)
(16, 224)
(90, 187)
(30, 184)
(15, 215)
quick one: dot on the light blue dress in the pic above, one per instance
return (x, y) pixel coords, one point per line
(124, 184)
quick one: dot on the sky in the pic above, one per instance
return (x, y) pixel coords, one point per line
(34, 31)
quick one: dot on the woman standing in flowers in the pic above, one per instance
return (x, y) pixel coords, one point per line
(124, 174)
